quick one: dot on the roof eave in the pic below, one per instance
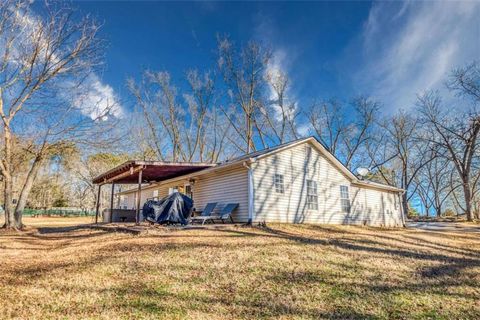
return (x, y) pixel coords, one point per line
(138, 163)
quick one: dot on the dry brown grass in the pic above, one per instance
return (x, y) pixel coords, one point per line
(279, 272)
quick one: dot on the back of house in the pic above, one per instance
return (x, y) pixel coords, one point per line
(304, 183)
(297, 182)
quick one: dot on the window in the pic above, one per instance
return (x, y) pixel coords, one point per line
(278, 182)
(345, 199)
(312, 197)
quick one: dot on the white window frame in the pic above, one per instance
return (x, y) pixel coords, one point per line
(345, 199)
(278, 183)
(312, 195)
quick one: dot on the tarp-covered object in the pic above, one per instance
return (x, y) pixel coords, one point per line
(176, 208)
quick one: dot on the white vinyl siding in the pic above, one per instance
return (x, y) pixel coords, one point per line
(148, 192)
(296, 168)
(367, 205)
(375, 207)
(225, 186)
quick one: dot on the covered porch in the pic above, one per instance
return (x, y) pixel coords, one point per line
(142, 174)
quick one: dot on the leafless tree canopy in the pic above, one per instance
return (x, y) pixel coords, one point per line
(42, 56)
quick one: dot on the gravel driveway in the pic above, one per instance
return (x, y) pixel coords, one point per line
(445, 226)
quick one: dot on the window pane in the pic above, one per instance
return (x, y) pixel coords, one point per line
(344, 192)
(345, 199)
(312, 197)
(278, 182)
(345, 205)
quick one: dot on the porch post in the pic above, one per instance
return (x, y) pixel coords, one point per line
(139, 195)
(98, 203)
(111, 202)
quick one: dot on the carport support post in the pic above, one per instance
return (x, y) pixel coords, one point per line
(139, 195)
(98, 203)
(111, 201)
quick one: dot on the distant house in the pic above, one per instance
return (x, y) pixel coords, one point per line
(297, 182)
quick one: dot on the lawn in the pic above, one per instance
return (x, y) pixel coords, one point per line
(277, 272)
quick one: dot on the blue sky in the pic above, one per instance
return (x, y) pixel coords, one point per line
(389, 50)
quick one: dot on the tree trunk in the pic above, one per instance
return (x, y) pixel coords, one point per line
(8, 182)
(405, 205)
(438, 210)
(468, 199)
(8, 197)
(27, 187)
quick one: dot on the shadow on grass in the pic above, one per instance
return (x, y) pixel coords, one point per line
(450, 265)
(136, 297)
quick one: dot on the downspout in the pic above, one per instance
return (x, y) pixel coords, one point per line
(400, 201)
(251, 194)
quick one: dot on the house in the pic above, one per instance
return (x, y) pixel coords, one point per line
(296, 182)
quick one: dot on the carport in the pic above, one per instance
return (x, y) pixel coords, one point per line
(141, 172)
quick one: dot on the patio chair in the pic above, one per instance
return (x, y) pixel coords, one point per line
(206, 213)
(225, 213)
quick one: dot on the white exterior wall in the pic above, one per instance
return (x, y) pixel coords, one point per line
(225, 186)
(375, 207)
(130, 199)
(368, 205)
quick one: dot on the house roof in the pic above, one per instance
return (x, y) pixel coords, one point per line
(355, 180)
(152, 171)
(167, 171)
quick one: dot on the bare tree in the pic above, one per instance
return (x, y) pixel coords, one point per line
(458, 136)
(84, 168)
(280, 111)
(346, 138)
(361, 130)
(178, 129)
(243, 72)
(436, 182)
(199, 102)
(403, 149)
(40, 58)
(327, 120)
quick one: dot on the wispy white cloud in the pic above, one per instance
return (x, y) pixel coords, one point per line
(411, 47)
(96, 99)
(277, 73)
(305, 129)
(93, 98)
